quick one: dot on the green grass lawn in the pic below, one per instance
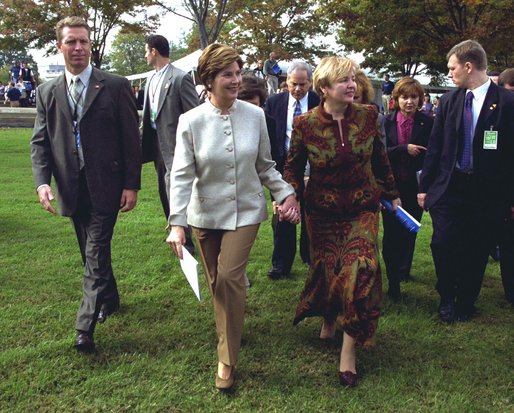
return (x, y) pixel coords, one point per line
(158, 354)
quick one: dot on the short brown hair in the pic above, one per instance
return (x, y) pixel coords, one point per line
(469, 51)
(213, 60)
(70, 21)
(251, 87)
(331, 69)
(408, 86)
(364, 87)
(506, 77)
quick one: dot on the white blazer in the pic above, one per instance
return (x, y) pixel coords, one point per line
(221, 163)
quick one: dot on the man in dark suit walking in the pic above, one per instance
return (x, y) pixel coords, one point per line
(86, 136)
(169, 93)
(467, 183)
(283, 107)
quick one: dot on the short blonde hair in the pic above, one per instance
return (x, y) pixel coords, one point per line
(408, 86)
(213, 60)
(331, 69)
(70, 21)
(364, 87)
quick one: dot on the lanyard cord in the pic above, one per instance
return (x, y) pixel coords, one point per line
(159, 81)
(75, 104)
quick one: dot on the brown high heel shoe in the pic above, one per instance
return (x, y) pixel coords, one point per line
(225, 384)
(347, 378)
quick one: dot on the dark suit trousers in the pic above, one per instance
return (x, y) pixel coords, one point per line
(160, 169)
(465, 227)
(398, 243)
(507, 260)
(94, 233)
(284, 240)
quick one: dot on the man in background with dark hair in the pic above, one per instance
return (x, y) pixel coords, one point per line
(467, 183)
(169, 93)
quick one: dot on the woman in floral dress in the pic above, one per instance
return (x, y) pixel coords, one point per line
(350, 172)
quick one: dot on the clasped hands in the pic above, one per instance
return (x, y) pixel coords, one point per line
(289, 210)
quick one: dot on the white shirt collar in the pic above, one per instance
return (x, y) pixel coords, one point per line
(480, 91)
(304, 102)
(84, 75)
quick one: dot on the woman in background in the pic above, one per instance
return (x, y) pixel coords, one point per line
(222, 159)
(350, 172)
(407, 133)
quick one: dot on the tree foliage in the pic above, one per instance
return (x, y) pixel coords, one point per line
(32, 22)
(127, 56)
(284, 26)
(410, 36)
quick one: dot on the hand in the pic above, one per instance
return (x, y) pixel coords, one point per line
(176, 239)
(421, 200)
(396, 203)
(289, 210)
(45, 195)
(128, 200)
(415, 150)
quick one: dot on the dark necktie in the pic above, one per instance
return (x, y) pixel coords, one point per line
(297, 109)
(465, 157)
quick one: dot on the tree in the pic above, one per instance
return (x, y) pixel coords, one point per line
(209, 16)
(408, 37)
(128, 54)
(36, 28)
(283, 26)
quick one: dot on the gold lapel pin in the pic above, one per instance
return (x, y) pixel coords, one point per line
(493, 106)
(97, 86)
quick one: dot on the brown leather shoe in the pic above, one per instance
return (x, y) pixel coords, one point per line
(347, 378)
(225, 384)
(84, 342)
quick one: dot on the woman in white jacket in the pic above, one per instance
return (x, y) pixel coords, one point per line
(222, 159)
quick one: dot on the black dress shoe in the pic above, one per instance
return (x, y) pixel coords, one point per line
(347, 378)
(465, 313)
(407, 278)
(105, 311)
(447, 310)
(394, 292)
(84, 342)
(276, 273)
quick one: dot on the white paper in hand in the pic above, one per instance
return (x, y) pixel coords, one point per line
(189, 264)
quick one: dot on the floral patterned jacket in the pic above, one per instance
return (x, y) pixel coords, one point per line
(349, 173)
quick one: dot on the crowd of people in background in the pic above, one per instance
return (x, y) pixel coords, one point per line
(322, 147)
(20, 88)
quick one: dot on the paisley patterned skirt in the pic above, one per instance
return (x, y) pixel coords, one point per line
(344, 281)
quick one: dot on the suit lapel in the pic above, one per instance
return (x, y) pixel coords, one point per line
(459, 109)
(94, 87)
(166, 83)
(488, 109)
(61, 97)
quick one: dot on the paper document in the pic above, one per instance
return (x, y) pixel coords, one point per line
(189, 264)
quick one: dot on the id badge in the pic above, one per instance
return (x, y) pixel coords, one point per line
(153, 114)
(491, 139)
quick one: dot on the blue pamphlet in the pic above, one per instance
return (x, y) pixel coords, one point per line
(406, 219)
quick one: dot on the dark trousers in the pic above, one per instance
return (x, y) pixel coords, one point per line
(94, 233)
(397, 242)
(465, 227)
(284, 244)
(507, 260)
(160, 169)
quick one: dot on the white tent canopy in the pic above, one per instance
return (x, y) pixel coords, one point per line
(187, 64)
